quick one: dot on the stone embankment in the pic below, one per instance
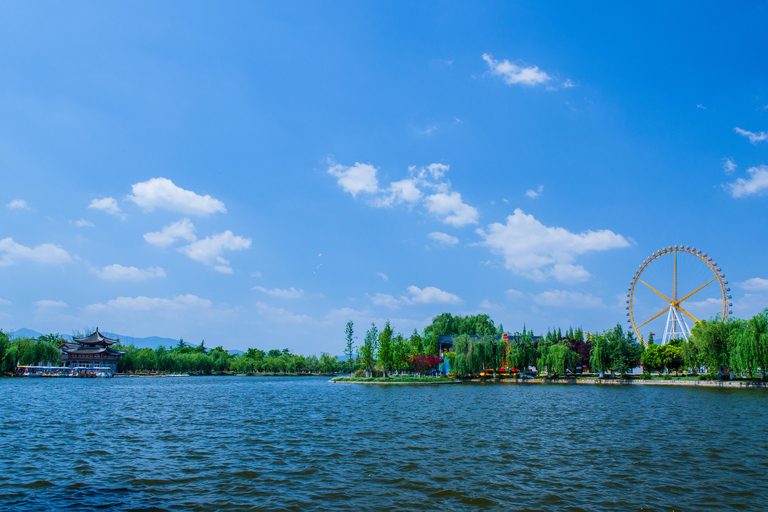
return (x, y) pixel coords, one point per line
(701, 383)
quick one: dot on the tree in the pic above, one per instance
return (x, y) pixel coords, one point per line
(672, 355)
(749, 344)
(651, 358)
(349, 337)
(416, 342)
(711, 338)
(600, 359)
(5, 346)
(385, 348)
(560, 357)
(368, 350)
(327, 363)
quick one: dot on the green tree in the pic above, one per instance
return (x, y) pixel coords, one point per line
(368, 350)
(672, 355)
(417, 343)
(385, 348)
(749, 345)
(560, 357)
(327, 363)
(5, 346)
(712, 338)
(600, 360)
(652, 360)
(349, 337)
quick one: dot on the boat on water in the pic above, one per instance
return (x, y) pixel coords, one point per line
(62, 371)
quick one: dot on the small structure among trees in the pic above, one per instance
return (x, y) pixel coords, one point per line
(93, 351)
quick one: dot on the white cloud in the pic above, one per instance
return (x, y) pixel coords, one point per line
(567, 273)
(699, 105)
(433, 171)
(209, 250)
(18, 204)
(754, 138)
(281, 315)
(415, 295)
(535, 251)
(356, 179)
(446, 205)
(291, 293)
(82, 223)
(11, 252)
(118, 272)
(256, 274)
(51, 304)
(172, 232)
(443, 238)
(162, 193)
(403, 191)
(452, 209)
(755, 284)
(729, 165)
(487, 305)
(514, 74)
(142, 303)
(568, 83)
(382, 299)
(567, 299)
(757, 183)
(5, 302)
(514, 294)
(105, 204)
(533, 194)
(383, 276)
(430, 295)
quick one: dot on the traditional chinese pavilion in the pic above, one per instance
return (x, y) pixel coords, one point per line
(92, 351)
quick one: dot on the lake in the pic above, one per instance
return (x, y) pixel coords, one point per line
(301, 443)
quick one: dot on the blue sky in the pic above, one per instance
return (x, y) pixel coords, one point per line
(256, 174)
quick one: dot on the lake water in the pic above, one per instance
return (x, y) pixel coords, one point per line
(261, 443)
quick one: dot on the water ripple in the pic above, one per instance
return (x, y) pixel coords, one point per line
(303, 444)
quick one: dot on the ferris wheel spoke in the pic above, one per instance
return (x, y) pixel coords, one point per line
(654, 317)
(656, 291)
(694, 291)
(687, 313)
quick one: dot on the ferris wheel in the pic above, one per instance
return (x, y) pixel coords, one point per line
(667, 279)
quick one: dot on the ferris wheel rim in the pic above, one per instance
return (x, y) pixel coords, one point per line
(712, 265)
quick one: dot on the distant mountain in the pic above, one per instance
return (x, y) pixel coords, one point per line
(29, 333)
(149, 342)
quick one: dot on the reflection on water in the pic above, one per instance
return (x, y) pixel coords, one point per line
(255, 443)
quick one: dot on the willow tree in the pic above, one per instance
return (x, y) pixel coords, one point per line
(560, 357)
(469, 355)
(600, 360)
(749, 345)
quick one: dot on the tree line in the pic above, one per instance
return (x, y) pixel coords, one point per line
(738, 345)
(28, 351)
(186, 358)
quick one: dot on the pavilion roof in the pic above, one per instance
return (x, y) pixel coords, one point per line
(73, 349)
(95, 338)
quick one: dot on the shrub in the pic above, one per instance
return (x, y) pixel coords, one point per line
(359, 374)
(646, 376)
(667, 377)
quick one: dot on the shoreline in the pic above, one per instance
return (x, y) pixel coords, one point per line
(609, 382)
